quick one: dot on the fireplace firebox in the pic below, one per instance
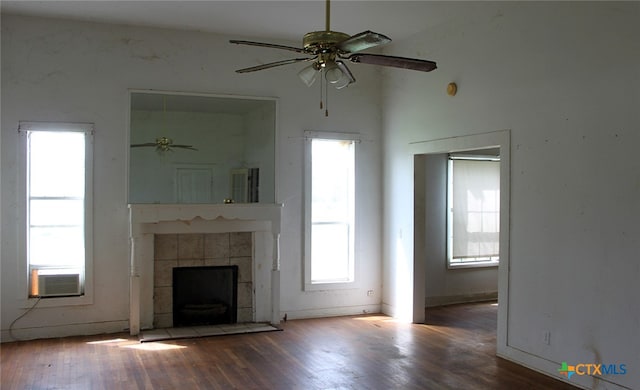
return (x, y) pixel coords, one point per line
(205, 295)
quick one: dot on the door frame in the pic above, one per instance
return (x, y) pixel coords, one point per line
(500, 139)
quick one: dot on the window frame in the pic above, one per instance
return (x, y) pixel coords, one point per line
(489, 261)
(309, 285)
(23, 283)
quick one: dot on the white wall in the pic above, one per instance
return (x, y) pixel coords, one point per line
(565, 78)
(55, 70)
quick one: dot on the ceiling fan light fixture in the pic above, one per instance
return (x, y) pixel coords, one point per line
(343, 82)
(347, 76)
(332, 73)
(309, 74)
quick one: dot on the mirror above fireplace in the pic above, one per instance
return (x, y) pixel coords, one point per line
(200, 148)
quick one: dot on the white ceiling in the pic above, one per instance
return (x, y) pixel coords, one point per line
(258, 19)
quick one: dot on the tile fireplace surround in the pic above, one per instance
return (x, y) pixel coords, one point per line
(208, 223)
(201, 250)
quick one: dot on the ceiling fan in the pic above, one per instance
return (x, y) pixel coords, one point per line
(328, 50)
(163, 144)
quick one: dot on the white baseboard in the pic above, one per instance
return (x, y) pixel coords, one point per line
(465, 298)
(330, 312)
(46, 332)
(550, 368)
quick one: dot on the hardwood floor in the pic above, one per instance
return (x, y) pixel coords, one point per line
(455, 350)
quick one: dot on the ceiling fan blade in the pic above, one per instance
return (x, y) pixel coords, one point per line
(190, 147)
(270, 45)
(273, 64)
(144, 145)
(362, 41)
(396, 62)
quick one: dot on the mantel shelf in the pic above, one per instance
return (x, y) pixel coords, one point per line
(155, 213)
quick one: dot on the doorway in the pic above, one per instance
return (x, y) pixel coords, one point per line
(434, 151)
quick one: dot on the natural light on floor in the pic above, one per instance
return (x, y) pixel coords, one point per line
(157, 346)
(107, 341)
(378, 318)
(135, 344)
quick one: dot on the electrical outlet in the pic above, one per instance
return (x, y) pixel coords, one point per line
(370, 293)
(547, 337)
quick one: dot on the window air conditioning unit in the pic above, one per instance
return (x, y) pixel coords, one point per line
(55, 285)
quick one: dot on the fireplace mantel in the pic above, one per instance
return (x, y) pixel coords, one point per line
(156, 213)
(146, 220)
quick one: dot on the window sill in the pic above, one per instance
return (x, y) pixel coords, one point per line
(57, 301)
(329, 286)
(475, 264)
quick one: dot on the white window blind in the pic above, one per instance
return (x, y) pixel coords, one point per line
(474, 210)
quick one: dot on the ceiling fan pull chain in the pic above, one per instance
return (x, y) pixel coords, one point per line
(321, 95)
(326, 99)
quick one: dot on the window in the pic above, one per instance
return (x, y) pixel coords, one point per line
(474, 211)
(329, 209)
(58, 206)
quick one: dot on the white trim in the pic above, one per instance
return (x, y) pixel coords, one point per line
(309, 134)
(56, 126)
(461, 298)
(546, 367)
(308, 285)
(52, 331)
(332, 312)
(199, 94)
(22, 291)
(472, 264)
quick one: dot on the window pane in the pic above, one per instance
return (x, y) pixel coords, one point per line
(332, 198)
(329, 252)
(56, 164)
(56, 199)
(331, 177)
(58, 212)
(56, 246)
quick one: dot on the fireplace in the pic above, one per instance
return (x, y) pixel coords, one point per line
(151, 289)
(205, 295)
(205, 252)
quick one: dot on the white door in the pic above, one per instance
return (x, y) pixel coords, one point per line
(193, 185)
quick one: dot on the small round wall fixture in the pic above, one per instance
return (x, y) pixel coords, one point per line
(452, 89)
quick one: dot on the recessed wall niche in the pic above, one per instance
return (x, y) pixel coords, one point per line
(197, 148)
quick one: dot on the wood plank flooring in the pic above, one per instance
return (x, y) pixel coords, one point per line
(455, 350)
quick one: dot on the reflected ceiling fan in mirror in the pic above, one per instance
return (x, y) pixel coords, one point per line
(328, 51)
(163, 144)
